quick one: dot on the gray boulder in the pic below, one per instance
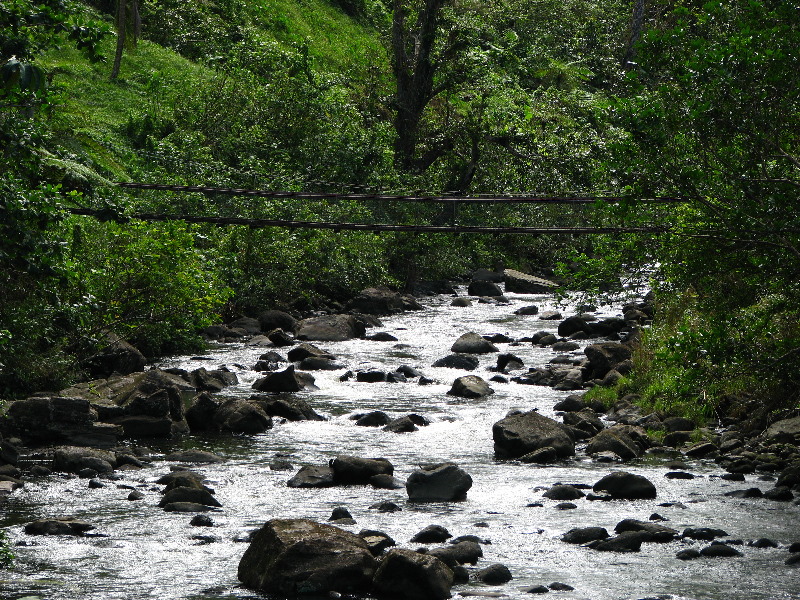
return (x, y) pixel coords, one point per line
(458, 361)
(572, 325)
(289, 408)
(629, 541)
(523, 433)
(584, 535)
(605, 357)
(444, 482)
(330, 328)
(241, 416)
(285, 381)
(58, 420)
(291, 557)
(522, 283)
(201, 411)
(354, 470)
(58, 526)
(719, 550)
(786, 431)
(277, 319)
(377, 301)
(470, 386)
(72, 459)
(306, 350)
(188, 494)
(614, 440)
(432, 534)
(472, 343)
(496, 574)
(484, 288)
(312, 476)
(377, 541)
(375, 418)
(194, 456)
(659, 533)
(563, 492)
(118, 356)
(626, 486)
(408, 575)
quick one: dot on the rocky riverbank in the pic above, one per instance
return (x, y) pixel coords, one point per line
(82, 431)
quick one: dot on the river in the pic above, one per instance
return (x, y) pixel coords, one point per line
(146, 553)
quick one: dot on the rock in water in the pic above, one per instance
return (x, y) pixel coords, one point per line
(470, 386)
(472, 343)
(291, 557)
(408, 575)
(285, 381)
(522, 433)
(60, 526)
(626, 486)
(353, 470)
(438, 483)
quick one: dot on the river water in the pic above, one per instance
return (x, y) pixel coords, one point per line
(145, 553)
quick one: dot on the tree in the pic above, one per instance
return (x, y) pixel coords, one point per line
(414, 66)
(128, 24)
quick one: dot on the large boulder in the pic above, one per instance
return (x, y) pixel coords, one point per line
(377, 301)
(487, 275)
(58, 526)
(277, 319)
(287, 380)
(73, 459)
(291, 557)
(312, 476)
(144, 404)
(458, 361)
(306, 350)
(358, 471)
(289, 408)
(117, 356)
(472, 343)
(331, 328)
(201, 411)
(522, 433)
(58, 420)
(659, 533)
(241, 416)
(191, 494)
(572, 325)
(614, 440)
(522, 283)
(626, 486)
(786, 431)
(470, 386)
(409, 575)
(484, 288)
(605, 357)
(444, 482)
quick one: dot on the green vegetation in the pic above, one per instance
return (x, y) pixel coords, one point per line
(6, 554)
(438, 96)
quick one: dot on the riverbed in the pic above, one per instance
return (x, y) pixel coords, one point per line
(142, 552)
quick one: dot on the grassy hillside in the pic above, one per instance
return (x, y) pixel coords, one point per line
(98, 125)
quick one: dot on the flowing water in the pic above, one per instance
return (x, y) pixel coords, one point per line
(147, 553)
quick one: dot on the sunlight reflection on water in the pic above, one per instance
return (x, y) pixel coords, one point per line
(152, 554)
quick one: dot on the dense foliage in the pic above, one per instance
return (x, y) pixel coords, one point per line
(711, 113)
(431, 95)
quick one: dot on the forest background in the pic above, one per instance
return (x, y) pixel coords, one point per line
(633, 100)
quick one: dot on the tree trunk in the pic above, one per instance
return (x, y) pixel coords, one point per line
(121, 19)
(413, 68)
